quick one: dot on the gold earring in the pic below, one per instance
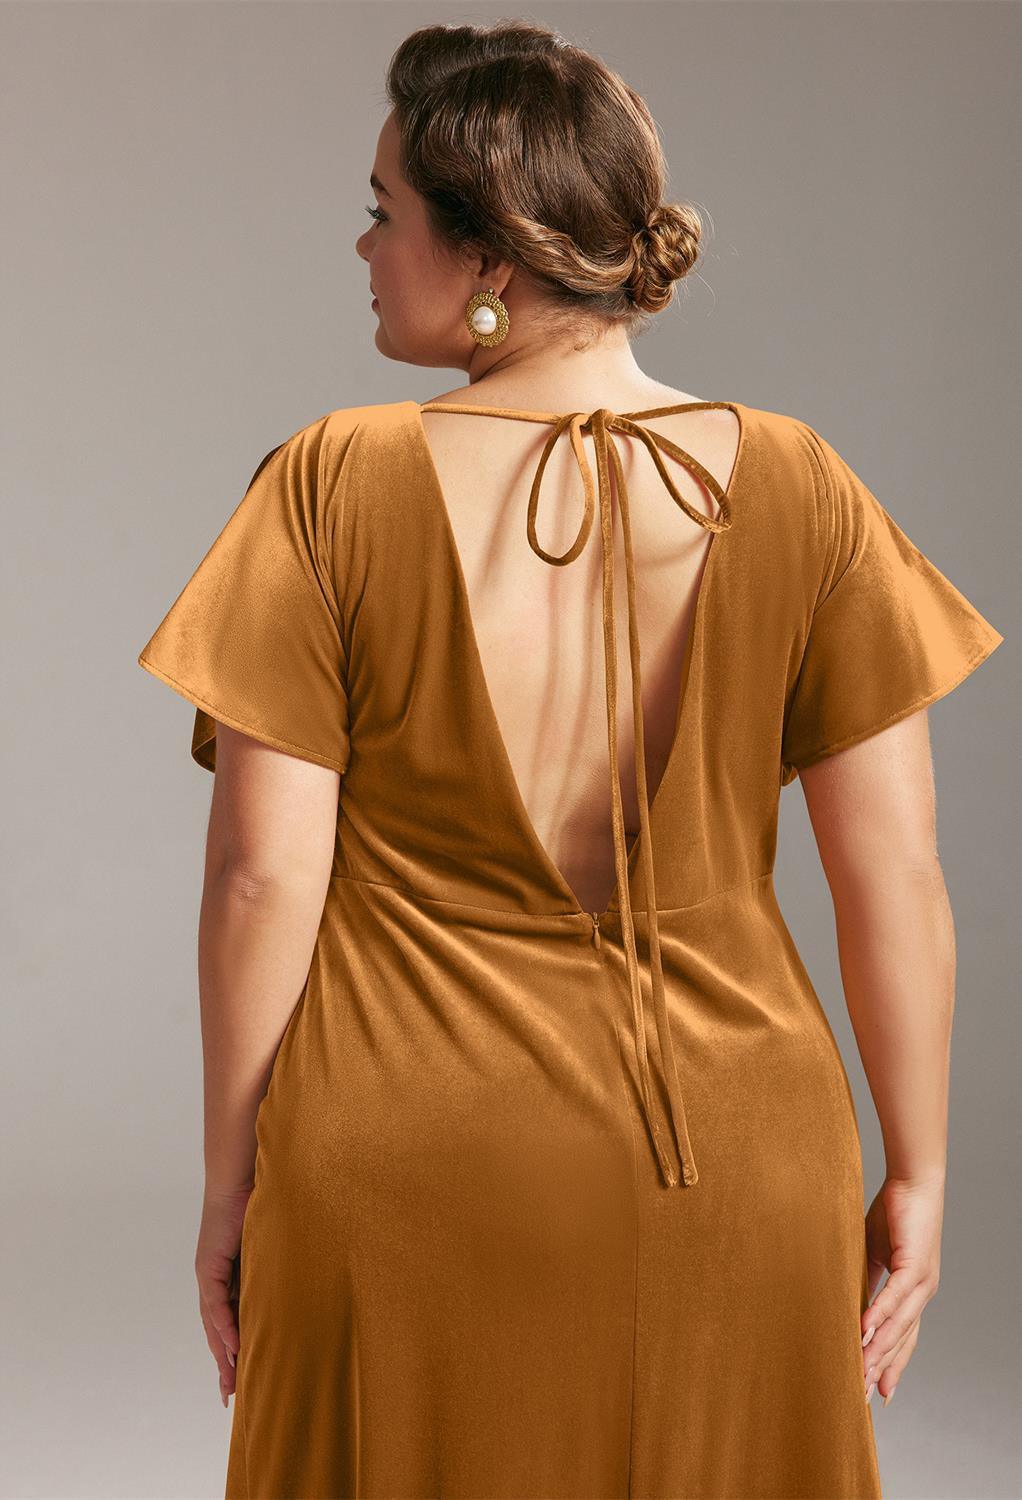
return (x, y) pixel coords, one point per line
(487, 319)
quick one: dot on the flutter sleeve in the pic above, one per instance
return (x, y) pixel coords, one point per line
(889, 633)
(255, 638)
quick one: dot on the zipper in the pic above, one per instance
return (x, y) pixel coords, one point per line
(596, 928)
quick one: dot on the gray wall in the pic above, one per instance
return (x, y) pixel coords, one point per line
(182, 189)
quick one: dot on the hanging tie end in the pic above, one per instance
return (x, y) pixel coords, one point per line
(689, 1176)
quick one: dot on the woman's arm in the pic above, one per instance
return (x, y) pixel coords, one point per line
(269, 851)
(873, 813)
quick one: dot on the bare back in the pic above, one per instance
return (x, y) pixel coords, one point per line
(539, 629)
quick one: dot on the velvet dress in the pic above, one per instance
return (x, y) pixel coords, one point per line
(552, 1202)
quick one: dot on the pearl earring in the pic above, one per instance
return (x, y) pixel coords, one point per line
(487, 319)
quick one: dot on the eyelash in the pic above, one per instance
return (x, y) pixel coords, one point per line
(376, 213)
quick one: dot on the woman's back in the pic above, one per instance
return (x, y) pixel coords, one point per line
(539, 629)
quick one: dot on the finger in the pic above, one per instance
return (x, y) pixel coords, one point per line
(877, 1352)
(220, 1310)
(876, 1362)
(903, 1297)
(218, 1349)
(896, 1325)
(226, 1371)
(889, 1377)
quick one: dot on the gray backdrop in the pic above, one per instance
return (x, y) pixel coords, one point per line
(182, 189)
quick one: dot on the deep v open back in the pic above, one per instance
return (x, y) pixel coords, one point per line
(602, 424)
(462, 1269)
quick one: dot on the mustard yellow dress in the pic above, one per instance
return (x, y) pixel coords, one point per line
(553, 1203)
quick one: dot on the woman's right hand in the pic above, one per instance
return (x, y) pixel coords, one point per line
(216, 1264)
(903, 1233)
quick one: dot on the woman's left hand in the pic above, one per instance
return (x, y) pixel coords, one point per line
(903, 1235)
(216, 1269)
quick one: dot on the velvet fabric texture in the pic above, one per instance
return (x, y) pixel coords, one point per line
(552, 1203)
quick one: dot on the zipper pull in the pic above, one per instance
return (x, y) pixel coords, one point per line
(596, 928)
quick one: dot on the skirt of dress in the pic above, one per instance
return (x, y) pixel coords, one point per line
(461, 1273)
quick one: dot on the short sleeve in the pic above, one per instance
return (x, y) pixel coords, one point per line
(889, 633)
(255, 638)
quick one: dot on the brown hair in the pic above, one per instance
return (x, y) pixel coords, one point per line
(525, 145)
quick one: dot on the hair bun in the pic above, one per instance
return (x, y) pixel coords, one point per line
(528, 148)
(664, 250)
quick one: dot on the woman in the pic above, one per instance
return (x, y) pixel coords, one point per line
(525, 1129)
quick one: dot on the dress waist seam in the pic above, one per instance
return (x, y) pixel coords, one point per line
(532, 916)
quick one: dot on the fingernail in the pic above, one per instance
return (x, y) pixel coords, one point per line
(869, 1334)
(230, 1356)
(889, 1396)
(870, 1389)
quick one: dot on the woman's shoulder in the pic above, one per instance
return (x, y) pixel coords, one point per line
(783, 431)
(322, 444)
(779, 470)
(341, 420)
